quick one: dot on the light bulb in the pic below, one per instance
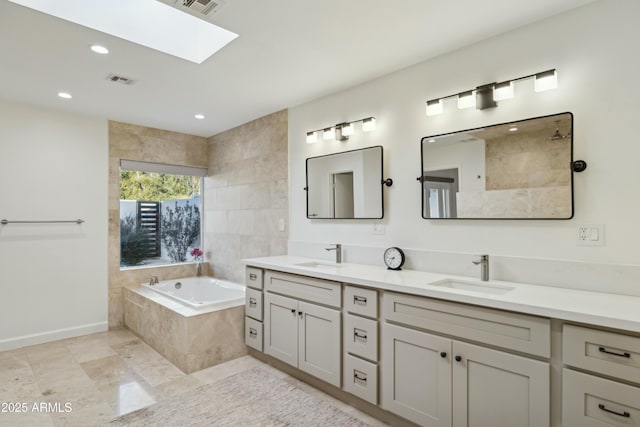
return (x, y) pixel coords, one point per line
(502, 91)
(434, 107)
(369, 124)
(546, 80)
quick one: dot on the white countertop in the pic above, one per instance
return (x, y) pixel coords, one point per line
(597, 308)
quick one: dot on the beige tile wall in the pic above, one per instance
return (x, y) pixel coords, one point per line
(133, 142)
(527, 161)
(246, 194)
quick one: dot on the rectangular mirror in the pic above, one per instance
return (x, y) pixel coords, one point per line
(517, 170)
(345, 185)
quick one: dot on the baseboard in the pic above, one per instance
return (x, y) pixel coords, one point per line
(55, 335)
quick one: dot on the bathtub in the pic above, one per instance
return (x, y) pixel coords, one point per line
(201, 292)
(194, 322)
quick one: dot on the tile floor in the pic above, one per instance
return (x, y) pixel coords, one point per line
(89, 380)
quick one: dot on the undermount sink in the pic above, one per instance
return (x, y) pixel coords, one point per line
(473, 286)
(315, 264)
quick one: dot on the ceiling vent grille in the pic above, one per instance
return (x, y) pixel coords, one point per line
(120, 79)
(199, 8)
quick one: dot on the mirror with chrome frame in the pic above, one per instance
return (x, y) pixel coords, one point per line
(345, 185)
(516, 170)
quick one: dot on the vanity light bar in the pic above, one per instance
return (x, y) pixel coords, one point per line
(341, 131)
(487, 95)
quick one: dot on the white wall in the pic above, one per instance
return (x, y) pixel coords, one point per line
(591, 48)
(53, 277)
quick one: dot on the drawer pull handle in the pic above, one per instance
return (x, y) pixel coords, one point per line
(300, 313)
(624, 414)
(443, 354)
(458, 358)
(293, 310)
(253, 276)
(359, 335)
(604, 350)
(359, 300)
(359, 378)
(252, 302)
(253, 332)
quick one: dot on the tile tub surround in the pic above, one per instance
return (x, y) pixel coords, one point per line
(132, 142)
(190, 339)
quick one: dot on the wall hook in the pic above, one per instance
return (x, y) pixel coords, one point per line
(578, 165)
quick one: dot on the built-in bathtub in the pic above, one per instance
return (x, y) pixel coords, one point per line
(194, 322)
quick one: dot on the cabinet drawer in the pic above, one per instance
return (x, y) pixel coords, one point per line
(361, 337)
(520, 332)
(253, 277)
(361, 301)
(253, 333)
(306, 288)
(589, 401)
(253, 303)
(361, 378)
(608, 353)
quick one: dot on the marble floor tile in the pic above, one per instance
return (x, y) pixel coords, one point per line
(224, 370)
(123, 387)
(90, 347)
(104, 375)
(154, 368)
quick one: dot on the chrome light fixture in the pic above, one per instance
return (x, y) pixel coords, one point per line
(341, 131)
(487, 95)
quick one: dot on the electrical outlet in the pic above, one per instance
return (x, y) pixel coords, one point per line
(590, 235)
(378, 228)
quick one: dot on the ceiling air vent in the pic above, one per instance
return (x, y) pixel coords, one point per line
(200, 8)
(120, 79)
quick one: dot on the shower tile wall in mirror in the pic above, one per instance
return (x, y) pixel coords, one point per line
(345, 185)
(517, 170)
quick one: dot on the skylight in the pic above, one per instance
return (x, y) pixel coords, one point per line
(149, 23)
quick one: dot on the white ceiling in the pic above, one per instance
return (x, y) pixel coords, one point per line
(289, 52)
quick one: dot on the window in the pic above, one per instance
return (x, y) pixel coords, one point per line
(160, 213)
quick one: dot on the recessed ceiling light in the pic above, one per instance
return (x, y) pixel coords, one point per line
(64, 95)
(199, 116)
(99, 49)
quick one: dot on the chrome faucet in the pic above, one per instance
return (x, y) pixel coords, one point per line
(338, 249)
(153, 280)
(484, 267)
(198, 269)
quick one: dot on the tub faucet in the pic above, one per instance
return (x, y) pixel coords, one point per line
(484, 267)
(338, 249)
(198, 269)
(153, 280)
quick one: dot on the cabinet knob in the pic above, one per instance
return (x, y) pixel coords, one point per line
(458, 358)
(300, 313)
(443, 354)
(293, 310)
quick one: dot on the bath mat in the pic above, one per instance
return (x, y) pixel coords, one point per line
(256, 397)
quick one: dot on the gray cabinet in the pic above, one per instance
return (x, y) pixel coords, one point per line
(587, 399)
(439, 381)
(304, 335)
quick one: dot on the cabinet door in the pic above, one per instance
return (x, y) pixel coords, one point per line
(416, 375)
(319, 342)
(281, 328)
(493, 388)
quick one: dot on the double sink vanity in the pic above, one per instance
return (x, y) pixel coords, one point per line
(444, 350)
